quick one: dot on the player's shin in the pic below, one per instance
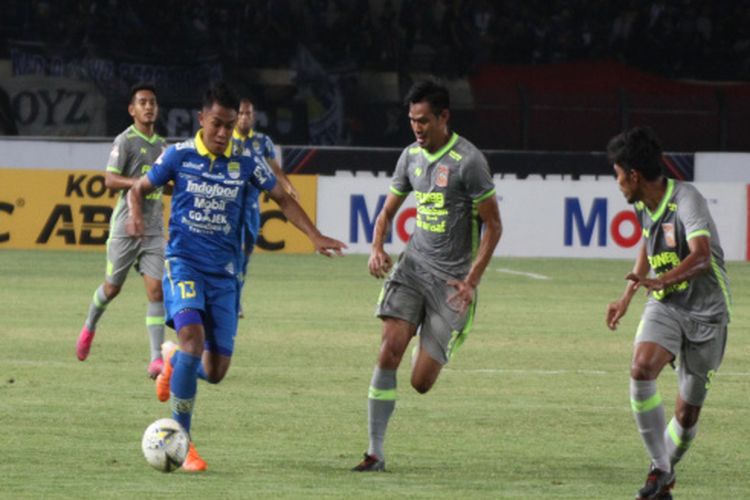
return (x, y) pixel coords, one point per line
(155, 326)
(677, 440)
(96, 308)
(184, 385)
(648, 411)
(380, 405)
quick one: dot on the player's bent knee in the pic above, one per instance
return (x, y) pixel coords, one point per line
(111, 291)
(214, 379)
(390, 355)
(421, 387)
(188, 324)
(643, 369)
(422, 384)
(215, 375)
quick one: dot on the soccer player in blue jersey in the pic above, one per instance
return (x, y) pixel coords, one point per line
(256, 143)
(204, 253)
(681, 265)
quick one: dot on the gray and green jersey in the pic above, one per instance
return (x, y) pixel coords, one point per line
(448, 186)
(132, 156)
(682, 215)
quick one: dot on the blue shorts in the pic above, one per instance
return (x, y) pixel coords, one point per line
(215, 297)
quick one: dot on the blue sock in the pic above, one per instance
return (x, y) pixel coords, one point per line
(202, 373)
(183, 387)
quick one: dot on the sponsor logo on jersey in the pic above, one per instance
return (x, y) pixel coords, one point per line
(669, 237)
(193, 165)
(261, 171)
(209, 204)
(441, 179)
(212, 190)
(234, 169)
(206, 217)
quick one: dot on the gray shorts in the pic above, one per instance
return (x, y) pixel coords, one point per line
(122, 252)
(414, 294)
(698, 345)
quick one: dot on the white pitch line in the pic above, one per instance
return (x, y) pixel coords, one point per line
(532, 372)
(571, 372)
(533, 276)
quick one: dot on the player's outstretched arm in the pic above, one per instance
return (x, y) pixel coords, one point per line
(141, 188)
(282, 177)
(379, 264)
(492, 230)
(618, 308)
(324, 245)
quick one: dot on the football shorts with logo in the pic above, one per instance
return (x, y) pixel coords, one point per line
(416, 295)
(216, 297)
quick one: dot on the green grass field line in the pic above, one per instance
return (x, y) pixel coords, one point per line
(535, 405)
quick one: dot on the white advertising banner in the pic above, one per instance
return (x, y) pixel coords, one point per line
(722, 167)
(55, 154)
(540, 218)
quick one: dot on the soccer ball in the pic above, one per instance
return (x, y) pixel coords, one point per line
(165, 445)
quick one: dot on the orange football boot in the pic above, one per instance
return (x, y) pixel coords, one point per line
(193, 462)
(162, 381)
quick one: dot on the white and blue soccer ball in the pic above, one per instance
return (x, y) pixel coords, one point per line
(165, 445)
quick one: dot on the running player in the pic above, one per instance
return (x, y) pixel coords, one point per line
(204, 253)
(256, 143)
(689, 303)
(432, 289)
(133, 153)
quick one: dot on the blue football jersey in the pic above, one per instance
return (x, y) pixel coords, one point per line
(208, 202)
(261, 148)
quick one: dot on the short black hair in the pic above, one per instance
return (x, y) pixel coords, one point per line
(222, 94)
(138, 87)
(637, 149)
(431, 91)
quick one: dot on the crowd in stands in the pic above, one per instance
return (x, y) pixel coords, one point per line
(698, 39)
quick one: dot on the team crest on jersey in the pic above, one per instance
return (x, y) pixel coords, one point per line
(441, 179)
(236, 148)
(233, 168)
(669, 237)
(256, 146)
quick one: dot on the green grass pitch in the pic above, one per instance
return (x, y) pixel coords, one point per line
(534, 406)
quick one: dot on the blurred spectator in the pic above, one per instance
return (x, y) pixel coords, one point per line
(678, 38)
